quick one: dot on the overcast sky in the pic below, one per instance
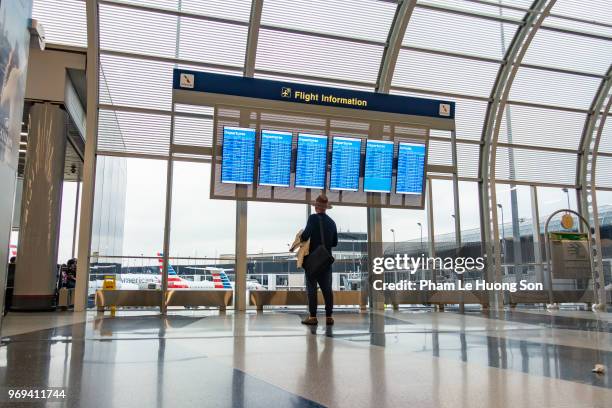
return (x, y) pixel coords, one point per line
(205, 227)
(202, 227)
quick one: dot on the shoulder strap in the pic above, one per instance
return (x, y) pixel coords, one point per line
(321, 229)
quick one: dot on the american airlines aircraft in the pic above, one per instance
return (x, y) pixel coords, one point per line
(221, 280)
(133, 281)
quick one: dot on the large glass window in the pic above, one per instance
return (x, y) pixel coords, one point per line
(469, 208)
(551, 199)
(201, 227)
(203, 230)
(351, 252)
(145, 207)
(66, 249)
(515, 228)
(404, 232)
(273, 226)
(128, 222)
(443, 212)
(271, 230)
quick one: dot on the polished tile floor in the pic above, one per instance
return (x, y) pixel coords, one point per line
(521, 358)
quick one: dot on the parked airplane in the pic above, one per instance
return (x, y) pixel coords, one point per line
(133, 281)
(12, 251)
(221, 280)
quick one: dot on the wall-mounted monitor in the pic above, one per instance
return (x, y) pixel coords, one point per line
(410, 168)
(311, 164)
(275, 158)
(378, 166)
(346, 159)
(238, 155)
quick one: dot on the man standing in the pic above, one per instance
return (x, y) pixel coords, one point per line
(323, 278)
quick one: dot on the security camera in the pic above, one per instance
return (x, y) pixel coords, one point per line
(73, 168)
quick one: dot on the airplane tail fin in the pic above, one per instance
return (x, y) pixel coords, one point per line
(221, 280)
(160, 258)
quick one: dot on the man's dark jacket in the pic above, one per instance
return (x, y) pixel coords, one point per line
(312, 231)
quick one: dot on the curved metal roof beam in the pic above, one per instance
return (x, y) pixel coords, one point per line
(252, 38)
(403, 12)
(532, 21)
(586, 174)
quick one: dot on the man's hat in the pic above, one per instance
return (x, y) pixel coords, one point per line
(322, 202)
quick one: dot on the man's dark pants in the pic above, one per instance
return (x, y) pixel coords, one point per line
(324, 279)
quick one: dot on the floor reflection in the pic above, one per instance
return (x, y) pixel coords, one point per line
(270, 359)
(588, 321)
(549, 360)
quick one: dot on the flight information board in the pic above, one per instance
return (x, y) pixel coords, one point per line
(311, 163)
(378, 166)
(238, 155)
(275, 158)
(346, 158)
(410, 168)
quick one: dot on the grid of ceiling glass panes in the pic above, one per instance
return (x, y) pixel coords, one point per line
(332, 44)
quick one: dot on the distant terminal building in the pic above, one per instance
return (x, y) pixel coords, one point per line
(279, 269)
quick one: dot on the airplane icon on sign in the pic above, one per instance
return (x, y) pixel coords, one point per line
(187, 80)
(444, 109)
(286, 92)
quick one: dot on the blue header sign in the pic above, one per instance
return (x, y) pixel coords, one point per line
(311, 94)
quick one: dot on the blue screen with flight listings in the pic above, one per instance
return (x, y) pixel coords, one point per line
(410, 168)
(378, 166)
(311, 163)
(346, 158)
(275, 158)
(238, 155)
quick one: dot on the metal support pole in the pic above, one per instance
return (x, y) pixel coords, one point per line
(242, 206)
(375, 250)
(537, 248)
(76, 215)
(430, 224)
(163, 308)
(457, 209)
(168, 219)
(241, 256)
(241, 236)
(375, 239)
(89, 162)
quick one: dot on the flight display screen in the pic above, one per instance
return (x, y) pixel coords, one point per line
(238, 155)
(378, 166)
(311, 163)
(275, 158)
(410, 168)
(346, 158)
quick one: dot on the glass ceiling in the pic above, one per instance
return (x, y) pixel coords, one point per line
(452, 49)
